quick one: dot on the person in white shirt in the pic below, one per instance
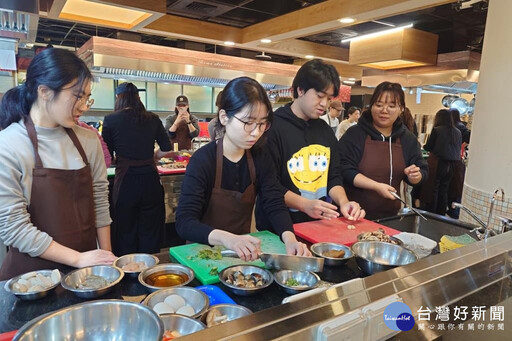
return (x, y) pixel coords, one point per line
(353, 114)
(335, 110)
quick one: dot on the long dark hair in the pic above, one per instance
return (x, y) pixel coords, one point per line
(408, 119)
(397, 94)
(318, 75)
(455, 116)
(241, 92)
(130, 100)
(444, 119)
(53, 68)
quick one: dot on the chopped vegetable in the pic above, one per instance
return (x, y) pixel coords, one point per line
(292, 282)
(214, 271)
(209, 254)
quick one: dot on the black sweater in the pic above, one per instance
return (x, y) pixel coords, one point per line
(445, 143)
(132, 139)
(200, 180)
(352, 143)
(296, 147)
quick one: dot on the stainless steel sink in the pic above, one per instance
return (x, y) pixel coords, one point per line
(434, 228)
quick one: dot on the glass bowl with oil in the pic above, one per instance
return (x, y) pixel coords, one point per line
(164, 276)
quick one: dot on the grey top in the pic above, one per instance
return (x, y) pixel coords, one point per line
(169, 121)
(17, 162)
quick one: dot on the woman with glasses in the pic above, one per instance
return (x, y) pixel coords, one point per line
(54, 207)
(130, 133)
(379, 152)
(223, 178)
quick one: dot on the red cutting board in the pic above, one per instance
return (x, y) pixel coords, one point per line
(163, 170)
(336, 231)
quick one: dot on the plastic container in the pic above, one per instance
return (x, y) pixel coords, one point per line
(216, 295)
(417, 243)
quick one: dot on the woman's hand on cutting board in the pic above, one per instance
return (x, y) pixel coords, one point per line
(352, 211)
(247, 247)
(319, 209)
(293, 246)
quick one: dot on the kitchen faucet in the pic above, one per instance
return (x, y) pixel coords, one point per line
(506, 222)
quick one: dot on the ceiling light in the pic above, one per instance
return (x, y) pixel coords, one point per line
(349, 82)
(347, 20)
(229, 43)
(351, 79)
(379, 33)
(266, 41)
(308, 56)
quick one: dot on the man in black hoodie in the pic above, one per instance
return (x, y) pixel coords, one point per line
(303, 148)
(379, 152)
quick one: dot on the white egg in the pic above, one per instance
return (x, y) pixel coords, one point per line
(186, 310)
(162, 308)
(175, 301)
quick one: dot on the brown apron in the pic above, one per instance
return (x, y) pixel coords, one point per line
(231, 210)
(375, 165)
(62, 205)
(182, 137)
(122, 165)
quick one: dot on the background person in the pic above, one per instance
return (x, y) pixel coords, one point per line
(215, 130)
(223, 178)
(139, 214)
(353, 114)
(181, 126)
(48, 220)
(379, 152)
(331, 118)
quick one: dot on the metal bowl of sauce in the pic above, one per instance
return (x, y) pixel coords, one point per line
(167, 275)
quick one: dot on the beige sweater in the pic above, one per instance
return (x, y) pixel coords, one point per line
(16, 164)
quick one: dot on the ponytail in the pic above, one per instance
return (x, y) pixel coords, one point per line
(16, 105)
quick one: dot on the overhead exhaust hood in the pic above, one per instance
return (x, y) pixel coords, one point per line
(112, 58)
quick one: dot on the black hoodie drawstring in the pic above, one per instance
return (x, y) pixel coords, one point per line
(390, 159)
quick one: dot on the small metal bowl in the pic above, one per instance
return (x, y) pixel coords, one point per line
(372, 256)
(167, 268)
(246, 270)
(33, 295)
(182, 324)
(107, 320)
(73, 279)
(307, 280)
(148, 259)
(318, 250)
(232, 312)
(194, 298)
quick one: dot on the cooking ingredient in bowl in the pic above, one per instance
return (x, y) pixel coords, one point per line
(134, 266)
(162, 308)
(34, 281)
(215, 317)
(378, 235)
(93, 282)
(292, 282)
(175, 301)
(166, 279)
(186, 310)
(170, 335)
(240, 280)
(334, 254)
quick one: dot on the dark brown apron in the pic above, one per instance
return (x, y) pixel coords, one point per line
(122, 165)
(182, 137)
(375, 165)
(62, 205)
(231, 210)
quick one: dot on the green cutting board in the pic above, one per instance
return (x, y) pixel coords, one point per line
(185, 254)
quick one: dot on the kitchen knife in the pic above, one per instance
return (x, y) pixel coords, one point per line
(287, 262)
(411, 208)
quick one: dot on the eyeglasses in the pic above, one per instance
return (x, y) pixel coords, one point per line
(250, 126)
(84, 100)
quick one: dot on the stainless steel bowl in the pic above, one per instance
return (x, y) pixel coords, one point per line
(98, 320)
(27, 296)
(306, 279)
(148, 259)
(319, 248)
(194, 298)
(168, 268)
(232, 312)
(182, 324)
(246, 270)
(73, 279)
(396, 240)
(374, 257)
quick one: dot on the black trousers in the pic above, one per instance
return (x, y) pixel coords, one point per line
(444, 176)
(139, 213)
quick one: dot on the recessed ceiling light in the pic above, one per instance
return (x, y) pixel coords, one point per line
(266, 41)
(229, 43)
(347, 20)
(309, 56)
(349, 82)
(351, 79)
